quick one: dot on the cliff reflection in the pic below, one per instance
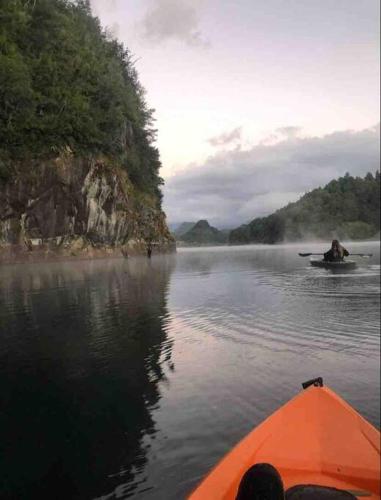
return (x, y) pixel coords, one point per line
(84, 349)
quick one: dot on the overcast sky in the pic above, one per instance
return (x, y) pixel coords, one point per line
(256, 101)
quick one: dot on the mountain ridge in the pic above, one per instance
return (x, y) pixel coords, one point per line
(202, 233)
(348, 207)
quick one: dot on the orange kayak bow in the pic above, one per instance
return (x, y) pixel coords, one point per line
(315, 438)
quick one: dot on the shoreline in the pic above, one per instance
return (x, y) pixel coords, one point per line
(14, 254)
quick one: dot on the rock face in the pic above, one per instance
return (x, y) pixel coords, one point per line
(72, 207)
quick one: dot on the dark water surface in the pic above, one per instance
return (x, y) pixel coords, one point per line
(132, 378)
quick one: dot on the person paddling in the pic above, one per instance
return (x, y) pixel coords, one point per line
(336, 253)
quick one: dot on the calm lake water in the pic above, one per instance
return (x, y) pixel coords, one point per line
(124, 379)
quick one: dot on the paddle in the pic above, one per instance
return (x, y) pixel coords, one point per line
(351, 254)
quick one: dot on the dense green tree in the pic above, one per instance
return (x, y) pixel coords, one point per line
(65, 83)
(348, 207)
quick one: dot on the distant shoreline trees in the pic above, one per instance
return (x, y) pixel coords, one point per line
(347, 208)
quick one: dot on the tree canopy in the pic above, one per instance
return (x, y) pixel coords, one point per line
(347, 208)
(66, 84)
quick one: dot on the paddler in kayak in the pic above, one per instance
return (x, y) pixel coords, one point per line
(336, 253)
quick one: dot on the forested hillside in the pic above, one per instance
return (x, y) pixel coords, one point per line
(347, 208)
(202, 233)
(183, 228)
(79, 170)
(66, 85)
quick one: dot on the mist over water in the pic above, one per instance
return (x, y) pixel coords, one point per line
(131, 378)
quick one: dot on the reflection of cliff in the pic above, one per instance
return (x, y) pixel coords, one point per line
(84, 351)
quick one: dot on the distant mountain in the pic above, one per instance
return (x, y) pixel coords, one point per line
(202, 233)
(346, 208)
(226, 232)
(182, 229)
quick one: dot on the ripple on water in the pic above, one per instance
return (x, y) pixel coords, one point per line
(153, 370)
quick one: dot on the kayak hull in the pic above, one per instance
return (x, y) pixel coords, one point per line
(340, 265)
(316, 438)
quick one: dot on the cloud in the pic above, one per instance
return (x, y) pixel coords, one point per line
(233, 187)
(173, 20)
(226, 138)
(280, 134)
(99, 5)
(289, 132)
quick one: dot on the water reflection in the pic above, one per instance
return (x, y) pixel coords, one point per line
(84, 348)
(132, 378)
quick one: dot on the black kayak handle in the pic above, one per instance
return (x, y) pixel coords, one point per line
(317, 382)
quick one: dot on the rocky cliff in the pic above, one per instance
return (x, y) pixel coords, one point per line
(74, 207)
(79, 165)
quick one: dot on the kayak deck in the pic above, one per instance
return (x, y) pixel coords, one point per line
(343, 264)
(316, 438)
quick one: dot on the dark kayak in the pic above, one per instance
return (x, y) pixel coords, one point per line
(341, 264)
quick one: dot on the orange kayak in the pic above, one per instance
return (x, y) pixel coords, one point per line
(315, 438)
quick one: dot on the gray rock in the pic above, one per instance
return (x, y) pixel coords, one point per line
(76, 207)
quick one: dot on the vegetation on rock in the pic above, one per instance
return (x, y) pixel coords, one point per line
(67, 86)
